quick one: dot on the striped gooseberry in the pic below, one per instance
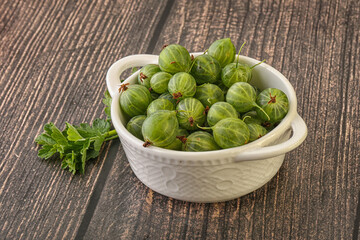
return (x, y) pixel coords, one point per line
(169, 97)
(219, 111)
(274, 103)
(159, 82)
(177, 144)
(134, 99)
(174, 58)
(135, 124)
(256, 131)
(160, 128)
(208, 94)
(159, 104)
(200, 141)
(146, 74)
(252, 117)
(223, 50)
(230, 132)
(182, 85)
(205, 69)
(190, 113)
(243, 97)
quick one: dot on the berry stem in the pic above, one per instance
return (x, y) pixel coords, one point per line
(262, 110)
(192, 64)
(258, 64)
(204, 128)
(237, 58)
(245, 118)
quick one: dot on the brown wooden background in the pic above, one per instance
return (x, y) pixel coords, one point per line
(53, 60)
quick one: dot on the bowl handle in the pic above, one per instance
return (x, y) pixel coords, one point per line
(113, 75)
(299, 130)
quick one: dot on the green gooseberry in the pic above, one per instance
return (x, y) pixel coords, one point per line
(219, 111)
(208, 94)
(146, 74)
(223, 50)
(230, 132)
(252, 117)
(191, 113)
(274, 103)
(159, 82)
(174, 58)
(154, 95)
(269, 126)
(169, 97)
(134, 99)
(182, 85)
(200, 141)
(256, 131)
(160, 128)
(134, 126)
(257, 90)
(222, 86)
(177, 144)
(182, 132)
(243, 96)
(159, 104)
(205, 69)
(235, 72)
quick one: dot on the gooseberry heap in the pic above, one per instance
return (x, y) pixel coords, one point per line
(200, 104)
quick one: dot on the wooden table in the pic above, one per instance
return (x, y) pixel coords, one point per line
(54, 56)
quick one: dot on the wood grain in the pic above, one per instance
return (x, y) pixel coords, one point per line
(316, 192)
(53, 59)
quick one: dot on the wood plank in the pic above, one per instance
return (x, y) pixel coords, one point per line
(315, 44)
(54, 57)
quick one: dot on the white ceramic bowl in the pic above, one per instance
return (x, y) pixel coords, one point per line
(208, 176)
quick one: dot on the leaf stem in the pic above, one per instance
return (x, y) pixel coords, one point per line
(110, 138)
(111, 133)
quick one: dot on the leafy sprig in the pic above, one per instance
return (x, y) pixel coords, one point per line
(76, 144)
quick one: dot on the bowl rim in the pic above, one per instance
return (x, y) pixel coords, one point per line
(183, 156)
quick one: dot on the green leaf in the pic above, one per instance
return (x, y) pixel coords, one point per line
(71, 162)
(47, 128)
(101, 125)
(61, 149)
(72, 133)
(83, 155)
(46, 152)
(45, 139)
(98, 143)
(91, 153)
(86, 130)
(58, 136)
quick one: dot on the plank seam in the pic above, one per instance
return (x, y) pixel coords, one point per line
(100, 183)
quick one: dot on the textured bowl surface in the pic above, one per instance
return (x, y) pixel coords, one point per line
(209, 176)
